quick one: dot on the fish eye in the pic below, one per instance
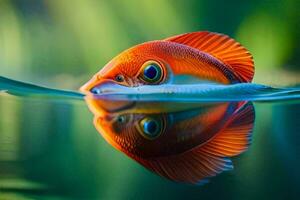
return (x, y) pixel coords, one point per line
(119, 78)
(121, 119)
(151, 127)
(151, 72)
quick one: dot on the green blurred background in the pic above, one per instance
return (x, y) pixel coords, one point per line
(62, 43)
(50, 149)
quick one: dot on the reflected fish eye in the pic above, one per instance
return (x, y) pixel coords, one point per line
(151, 128)
(151, 72)
(121, 119)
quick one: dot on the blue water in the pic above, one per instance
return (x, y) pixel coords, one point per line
(187, 93)
(15, 87)
(50, 148)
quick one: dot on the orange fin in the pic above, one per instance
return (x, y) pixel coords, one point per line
(236, 137)
(221, 47)
(192, 167)
(197, 165)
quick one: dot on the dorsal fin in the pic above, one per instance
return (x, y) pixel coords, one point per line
(221, 47)
(197, 165)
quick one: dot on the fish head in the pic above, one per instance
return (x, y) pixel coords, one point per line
(139, 65)
(134, 134)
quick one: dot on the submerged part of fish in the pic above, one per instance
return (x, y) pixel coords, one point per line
(200, 92)
(185, 142)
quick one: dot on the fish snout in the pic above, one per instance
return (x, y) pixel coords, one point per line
(101, 86)
(87, 86)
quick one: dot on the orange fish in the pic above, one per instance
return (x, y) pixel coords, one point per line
(184, 143)
(202, 56)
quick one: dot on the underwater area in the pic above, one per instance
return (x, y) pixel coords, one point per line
(50, 148)
(237, 142)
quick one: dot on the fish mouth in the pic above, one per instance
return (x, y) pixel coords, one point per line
(89, 85)
(98, 96)
(103, 86)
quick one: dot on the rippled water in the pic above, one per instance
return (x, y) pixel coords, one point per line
(50, 147)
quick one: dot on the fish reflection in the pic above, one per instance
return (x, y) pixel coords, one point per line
(182, 142)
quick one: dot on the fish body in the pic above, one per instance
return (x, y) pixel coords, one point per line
(202, 56)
